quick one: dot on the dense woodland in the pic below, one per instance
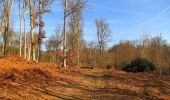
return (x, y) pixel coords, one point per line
(67, 47)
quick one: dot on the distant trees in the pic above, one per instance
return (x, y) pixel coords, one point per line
(144, 42)
(76, 26)
(90, 54)
(158, 53)
(53, 44)
(123, 53)
(155, 49)
(72, 9)
(103, 35)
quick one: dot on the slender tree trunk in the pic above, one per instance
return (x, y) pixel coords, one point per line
(20, 36)
(20, 39)
(40, 29)
(95, 57)
(157, 56)
(7, 19)
(31, 32)
(25, 35)
(5, 34)
(5, 41)
(33, 46)
(29, 51)
(100, 53)
(78, 51)
(65, 36)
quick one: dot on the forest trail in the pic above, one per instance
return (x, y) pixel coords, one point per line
(23, 80)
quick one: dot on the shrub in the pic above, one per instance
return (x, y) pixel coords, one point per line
(139, 65)
(108, 67)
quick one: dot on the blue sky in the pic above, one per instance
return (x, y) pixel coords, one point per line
(128, 19)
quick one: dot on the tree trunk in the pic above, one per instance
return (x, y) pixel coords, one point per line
(157, 56)
(65, 36)
(20, 36)
(25, 35)
(5, 41)
(40, 30)
(31, 32)
(78, 51)
(7, 18)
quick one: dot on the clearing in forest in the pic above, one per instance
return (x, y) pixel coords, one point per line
(20, 79)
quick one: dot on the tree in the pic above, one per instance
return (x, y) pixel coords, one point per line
(7, 10)
(157, 53)
(65, 35)
(41, 33)
(32, 29)
(33, 10)
(25, 35)
(144, 38)
(123, 53)
(75, 26)
(90, 54)
(43, 8)
(22, 16)
(70, 6)
(53, 44)
(103, 35)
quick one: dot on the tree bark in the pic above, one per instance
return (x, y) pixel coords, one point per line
(40, 30)
(25, 35)
(31, 32)
(20, 36)
(65, 36)
(7, 17)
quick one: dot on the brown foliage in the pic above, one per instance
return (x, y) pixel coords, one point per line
(21, 79)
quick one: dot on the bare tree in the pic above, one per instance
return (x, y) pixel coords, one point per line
(53, 44)
(144, 41)
(103, 35)
(70, 6)
(157, 55)
(21, 16)
(7, 6)
(58, 37)
(41, 34)
(75, 26)
(20, 36)
(25, 35)
(33, 10)
(65, 35)
(43, 8)
(32, 29)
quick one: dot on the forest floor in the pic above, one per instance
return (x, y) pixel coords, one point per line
(22, 80)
